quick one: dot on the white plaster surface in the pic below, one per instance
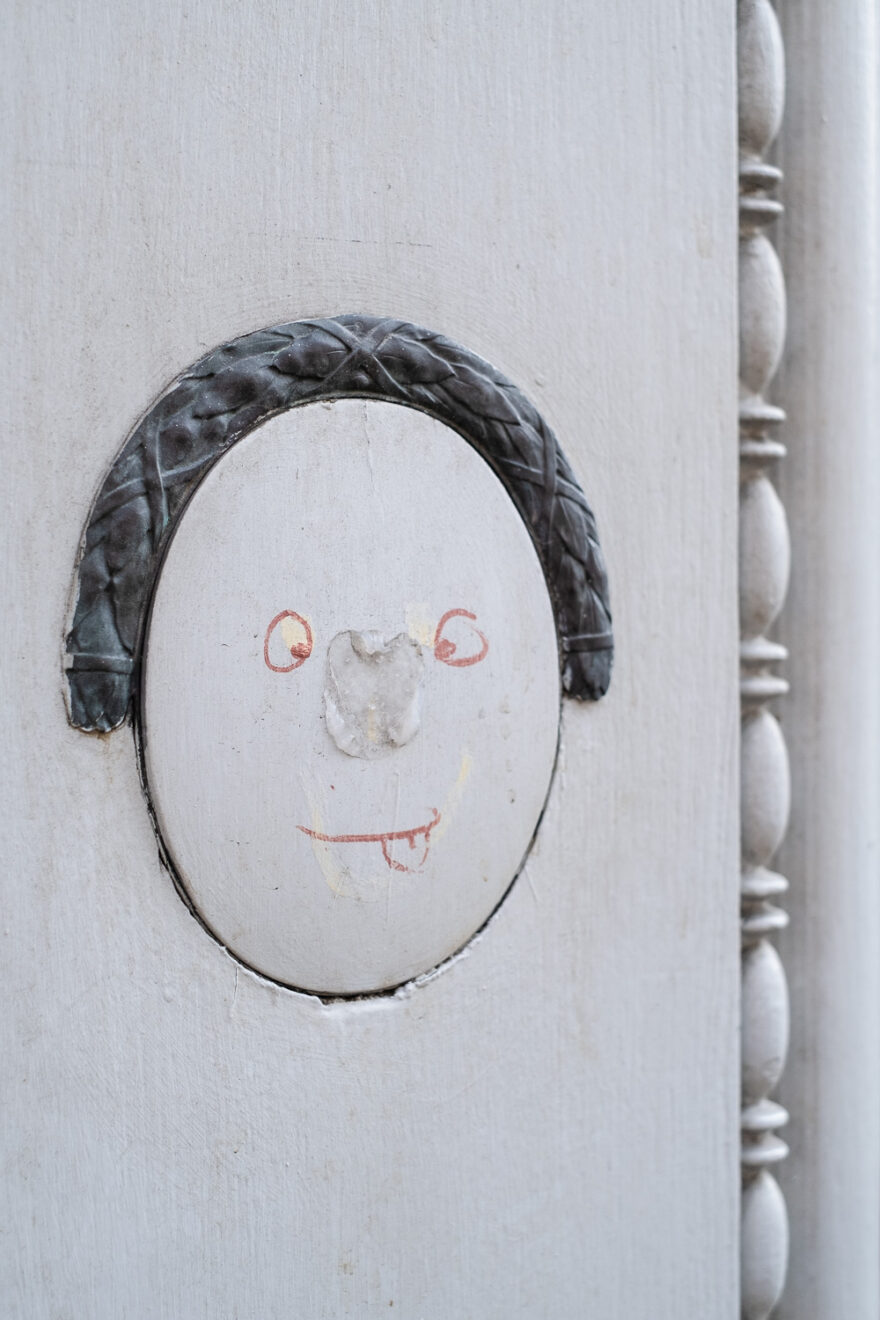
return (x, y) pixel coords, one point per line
(370, 520)
(829, 385)
(549, 1126)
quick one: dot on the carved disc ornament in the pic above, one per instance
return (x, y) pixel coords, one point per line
(343, 661)
(235, 388)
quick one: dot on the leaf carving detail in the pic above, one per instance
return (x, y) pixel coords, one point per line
(233, 389)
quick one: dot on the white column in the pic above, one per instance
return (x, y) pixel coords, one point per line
(829, 386)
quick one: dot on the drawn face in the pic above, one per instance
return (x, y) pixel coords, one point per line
(351, 696)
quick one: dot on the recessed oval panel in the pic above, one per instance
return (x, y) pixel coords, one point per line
(351, 696)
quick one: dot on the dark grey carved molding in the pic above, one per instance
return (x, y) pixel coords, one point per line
(237, 386)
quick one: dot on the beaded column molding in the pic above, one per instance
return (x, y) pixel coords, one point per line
(763, 578)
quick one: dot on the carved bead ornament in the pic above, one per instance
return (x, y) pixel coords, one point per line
(763, 581)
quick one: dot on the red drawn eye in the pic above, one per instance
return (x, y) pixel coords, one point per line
(288, 633)
(445, 649)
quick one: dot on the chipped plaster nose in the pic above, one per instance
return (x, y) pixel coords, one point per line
(372, 692)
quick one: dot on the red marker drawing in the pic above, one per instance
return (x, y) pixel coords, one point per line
(385, 839)
(299, 650)
(445, 650)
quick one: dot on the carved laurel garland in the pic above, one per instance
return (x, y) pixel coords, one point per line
(764, 568)
(240, 385)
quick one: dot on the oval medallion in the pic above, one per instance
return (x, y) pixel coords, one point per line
(350, 696)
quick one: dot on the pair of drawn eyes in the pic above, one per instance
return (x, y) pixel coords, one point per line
(296, 637)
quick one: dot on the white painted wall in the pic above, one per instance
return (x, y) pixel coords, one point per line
(830, 388)
(549, 1127)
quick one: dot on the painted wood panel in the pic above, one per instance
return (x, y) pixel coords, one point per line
(549, 1126)
(830, 388)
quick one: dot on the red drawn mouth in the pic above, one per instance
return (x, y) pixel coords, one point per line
(385, 839)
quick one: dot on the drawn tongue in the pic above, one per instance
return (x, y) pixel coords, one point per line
(407, 854)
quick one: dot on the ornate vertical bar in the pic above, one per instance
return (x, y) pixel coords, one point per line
(763, 573)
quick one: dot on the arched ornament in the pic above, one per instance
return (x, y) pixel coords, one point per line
(238, 386)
